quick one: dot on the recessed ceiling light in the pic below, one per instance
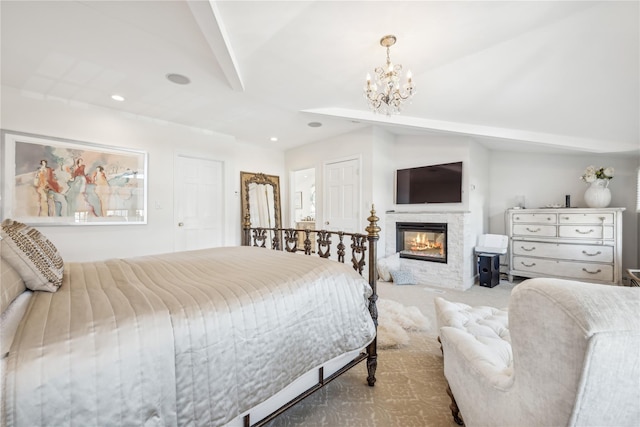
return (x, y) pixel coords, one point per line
(314, 124)
(178, 79)
(117, 98)
(273, 139)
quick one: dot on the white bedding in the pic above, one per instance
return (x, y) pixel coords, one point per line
(187, 338)
(9, 321)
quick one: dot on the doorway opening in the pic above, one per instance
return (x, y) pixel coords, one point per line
(303, 202)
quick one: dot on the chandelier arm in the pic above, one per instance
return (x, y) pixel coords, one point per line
(387, 93)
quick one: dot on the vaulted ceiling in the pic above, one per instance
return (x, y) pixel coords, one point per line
(511, 74)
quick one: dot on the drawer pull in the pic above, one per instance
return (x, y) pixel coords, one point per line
(588, 254)
(528, 265)
(533, 231)
(567, 218)
(528, 249)
(585, 232)
(591, 272)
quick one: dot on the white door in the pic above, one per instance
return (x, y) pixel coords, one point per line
(199, 203)
(342, 196)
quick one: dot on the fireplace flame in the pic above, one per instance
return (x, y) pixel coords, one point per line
(422, 243)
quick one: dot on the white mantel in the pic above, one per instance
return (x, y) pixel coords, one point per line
(459, 271)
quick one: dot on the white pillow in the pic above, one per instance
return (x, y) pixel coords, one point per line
(402, 277)
(32, 255)
(10, 319)
(385, 265)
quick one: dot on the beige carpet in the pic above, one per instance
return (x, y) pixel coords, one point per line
(410, 387)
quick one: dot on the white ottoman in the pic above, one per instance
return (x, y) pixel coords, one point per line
(485, 331)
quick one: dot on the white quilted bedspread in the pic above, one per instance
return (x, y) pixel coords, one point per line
(192, 338)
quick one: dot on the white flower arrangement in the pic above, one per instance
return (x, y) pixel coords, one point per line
(591, 174)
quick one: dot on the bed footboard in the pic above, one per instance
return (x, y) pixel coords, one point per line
(287, 239)
(373, 234)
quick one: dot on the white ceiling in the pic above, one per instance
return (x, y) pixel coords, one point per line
(558, 75)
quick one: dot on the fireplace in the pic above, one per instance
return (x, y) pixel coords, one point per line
(424, 241)
(459, 270)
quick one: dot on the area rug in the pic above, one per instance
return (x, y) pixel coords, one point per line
(395, 321)
(410, 391)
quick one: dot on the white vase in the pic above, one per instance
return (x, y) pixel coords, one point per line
(598, 194)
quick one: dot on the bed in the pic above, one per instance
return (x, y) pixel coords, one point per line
(219, 337)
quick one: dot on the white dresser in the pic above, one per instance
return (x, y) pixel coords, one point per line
(581, 244)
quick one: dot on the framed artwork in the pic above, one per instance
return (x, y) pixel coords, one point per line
(298, 200)
(54, 181)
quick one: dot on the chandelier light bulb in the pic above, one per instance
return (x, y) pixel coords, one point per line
(392, 93)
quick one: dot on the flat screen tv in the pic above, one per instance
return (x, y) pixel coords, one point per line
(429, 184)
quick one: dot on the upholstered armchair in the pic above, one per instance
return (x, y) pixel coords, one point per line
(569, 355)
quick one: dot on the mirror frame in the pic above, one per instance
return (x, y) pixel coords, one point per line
(247, 178)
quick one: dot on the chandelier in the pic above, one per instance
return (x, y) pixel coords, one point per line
(391, 93)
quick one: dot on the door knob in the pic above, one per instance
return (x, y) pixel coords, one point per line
(326, 223)
(180, 224)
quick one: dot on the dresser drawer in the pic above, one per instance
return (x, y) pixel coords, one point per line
(534, 230)
(567, 269)
(534, 218)
(564, 251)
(585, 218)
(586, 231)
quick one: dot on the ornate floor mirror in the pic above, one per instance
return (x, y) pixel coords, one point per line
(260, 196)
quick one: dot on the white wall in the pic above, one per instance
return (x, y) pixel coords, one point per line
(382, 153)
(383, 192)
(425, 150)
(162, 141)
(382, 186)
(546, 178)
(302, 185)
(477, 167)
(479, 189)
(411, 151)
(492, 179)
(374, 147)
(357, 144)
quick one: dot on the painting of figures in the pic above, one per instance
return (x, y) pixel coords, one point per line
(53, 181)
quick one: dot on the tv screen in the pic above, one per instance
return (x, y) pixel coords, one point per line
(429, 184)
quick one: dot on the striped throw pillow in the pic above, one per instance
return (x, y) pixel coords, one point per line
(32, 255)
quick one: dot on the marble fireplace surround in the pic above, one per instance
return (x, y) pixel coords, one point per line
(459, 271)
